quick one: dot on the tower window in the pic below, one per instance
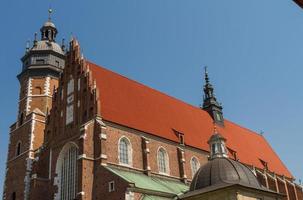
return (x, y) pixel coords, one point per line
(40, 61)
(21, 119)
(14, 196)
(125, 151)
(163, 161)
(18, 148)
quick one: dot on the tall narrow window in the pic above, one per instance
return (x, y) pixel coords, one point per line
(195, 165)
(21, 119)
(125, 151)
(163, 161)
(111, 186)
(67, 172)
(18, 149)
(14, 196)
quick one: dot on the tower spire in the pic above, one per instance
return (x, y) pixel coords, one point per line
(210, 103)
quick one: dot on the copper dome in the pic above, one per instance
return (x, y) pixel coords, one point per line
(224, 171)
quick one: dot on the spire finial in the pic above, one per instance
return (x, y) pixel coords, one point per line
(206, 75)
(50, 11)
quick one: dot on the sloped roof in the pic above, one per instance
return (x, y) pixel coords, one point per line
(151, 183)
(129, 103)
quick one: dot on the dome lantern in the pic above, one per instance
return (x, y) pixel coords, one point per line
(217, 145)
(49, 30)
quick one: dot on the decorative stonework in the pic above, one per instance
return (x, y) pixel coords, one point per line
(28, 98)
(47, 86)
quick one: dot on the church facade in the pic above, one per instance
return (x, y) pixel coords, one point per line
(85, 132)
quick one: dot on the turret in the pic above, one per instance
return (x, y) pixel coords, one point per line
(210, 103)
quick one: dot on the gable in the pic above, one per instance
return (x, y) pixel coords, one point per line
(129, 103)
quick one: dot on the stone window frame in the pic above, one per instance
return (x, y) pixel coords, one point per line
(128, 154)
(111, 186)
(194, 171)
(163, 170)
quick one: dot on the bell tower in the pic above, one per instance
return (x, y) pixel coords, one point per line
(42, 65)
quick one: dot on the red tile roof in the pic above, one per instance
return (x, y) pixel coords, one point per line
(129, 103)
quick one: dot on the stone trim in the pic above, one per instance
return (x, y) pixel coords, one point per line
(181, 159)
(47, 86)
(35, 95)
(29, 93)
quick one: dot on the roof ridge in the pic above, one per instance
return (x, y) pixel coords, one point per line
(241, 126)
(167, 95)
(265, 140)
(149, 87)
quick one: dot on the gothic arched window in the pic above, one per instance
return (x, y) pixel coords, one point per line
(18, 148)
(163, 162)
(66, 170)
(125, 151)
(195, 165)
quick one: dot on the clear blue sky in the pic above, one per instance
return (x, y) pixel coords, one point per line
(254, 51)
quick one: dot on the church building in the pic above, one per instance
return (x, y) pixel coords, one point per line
(84, 132)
